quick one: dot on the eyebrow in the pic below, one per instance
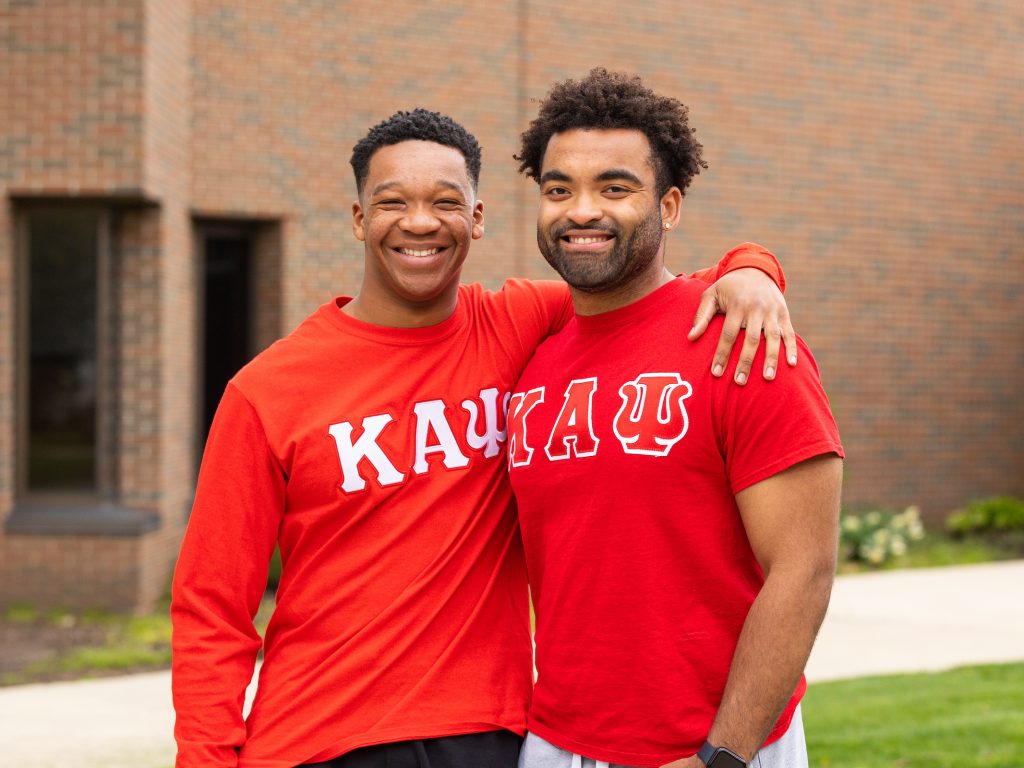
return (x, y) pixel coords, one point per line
(610, 175)
(386, 185)
(554, 176)
(619, 173)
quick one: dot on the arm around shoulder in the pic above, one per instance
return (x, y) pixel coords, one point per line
(743, 256)
(747, 288)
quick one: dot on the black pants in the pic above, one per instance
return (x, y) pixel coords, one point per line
(491, 749)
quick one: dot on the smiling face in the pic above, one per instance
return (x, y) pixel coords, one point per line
(417, 215)
(600, 219)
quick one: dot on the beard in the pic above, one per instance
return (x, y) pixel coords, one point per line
(629, 257)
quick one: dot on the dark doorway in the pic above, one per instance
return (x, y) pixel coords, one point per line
(226, 312)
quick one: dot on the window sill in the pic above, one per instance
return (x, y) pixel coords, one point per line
(78, 518)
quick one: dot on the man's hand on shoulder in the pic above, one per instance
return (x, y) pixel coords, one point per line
(751, 300)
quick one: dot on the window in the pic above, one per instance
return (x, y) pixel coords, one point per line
(67, 402)
(63, 261)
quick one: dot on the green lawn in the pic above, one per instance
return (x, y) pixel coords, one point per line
(939, 549)
(971, 717)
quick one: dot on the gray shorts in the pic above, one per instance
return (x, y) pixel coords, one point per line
(788, 752)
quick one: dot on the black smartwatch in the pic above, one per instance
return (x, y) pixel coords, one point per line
(720, 757)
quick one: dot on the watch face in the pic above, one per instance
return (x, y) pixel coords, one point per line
(723, 758)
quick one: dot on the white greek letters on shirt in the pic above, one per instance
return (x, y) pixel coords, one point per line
(430, 418)
(492, 438)
(364, 459)
(350, 454)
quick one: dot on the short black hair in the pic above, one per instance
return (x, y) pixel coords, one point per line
(417, 125)
(604, 100)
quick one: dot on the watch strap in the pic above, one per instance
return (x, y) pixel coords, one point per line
(705, 752)
(708, 752)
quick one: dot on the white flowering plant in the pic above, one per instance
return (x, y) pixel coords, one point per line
(875, 537)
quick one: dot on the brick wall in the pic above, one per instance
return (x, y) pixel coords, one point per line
(70, 125)
(874, 147)
(71, 571)
(168, 152)
(97, 110)
(72, 115)
(283, 91)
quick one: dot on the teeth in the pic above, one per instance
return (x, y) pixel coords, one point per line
(586, 240)
(411, 252)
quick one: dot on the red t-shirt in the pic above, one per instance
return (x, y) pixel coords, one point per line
(376, 458)
(626, 455)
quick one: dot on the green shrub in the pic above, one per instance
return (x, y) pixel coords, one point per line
(21, 613)
(998, 513)
(876, 536)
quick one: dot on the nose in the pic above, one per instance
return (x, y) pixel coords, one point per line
(584, 210)
(419, 221)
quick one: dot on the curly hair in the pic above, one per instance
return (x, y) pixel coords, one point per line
(417, 125)
(606, 99)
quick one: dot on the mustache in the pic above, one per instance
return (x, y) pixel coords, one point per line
(557, 232)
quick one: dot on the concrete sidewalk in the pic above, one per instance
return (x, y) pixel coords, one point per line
(880, 623)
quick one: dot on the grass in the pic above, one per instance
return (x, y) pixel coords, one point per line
(938, 550)
(20, 613)
(968, 717)
(96, 643)
(133, 642)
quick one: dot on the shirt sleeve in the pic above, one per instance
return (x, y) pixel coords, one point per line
(539, 308)
(745, 255)
(218, 583)
(767, 427)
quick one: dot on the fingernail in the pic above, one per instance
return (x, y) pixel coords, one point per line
(770, 373)
(741, 378)
(717, 370)
(792, 359)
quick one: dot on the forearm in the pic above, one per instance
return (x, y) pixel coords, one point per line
(770, 656)
(742, 256)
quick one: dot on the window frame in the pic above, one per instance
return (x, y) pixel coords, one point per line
(67, 512)
(104, 488)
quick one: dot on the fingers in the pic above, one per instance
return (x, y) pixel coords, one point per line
(788, 337)
(778, 331)
(754, 324)
(760, 308)
(730, 332)
(772, 342)
(706, 310)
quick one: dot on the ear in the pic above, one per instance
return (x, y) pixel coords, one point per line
(671, 202)
(357, 221)
(478, 220)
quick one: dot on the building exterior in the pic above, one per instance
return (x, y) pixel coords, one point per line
(175, 194)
